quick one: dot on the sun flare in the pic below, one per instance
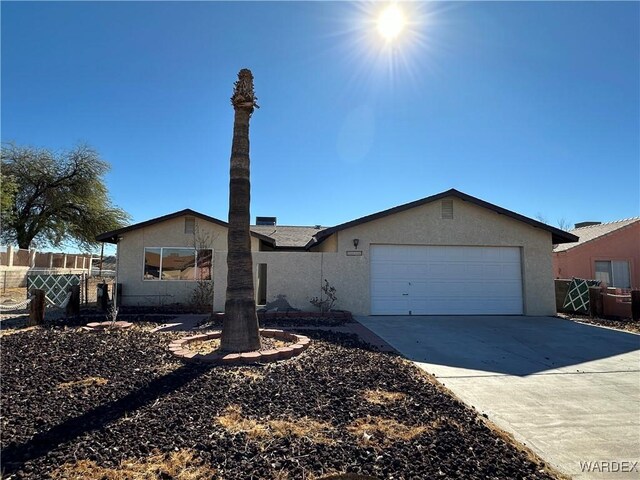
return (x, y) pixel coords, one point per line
(391, 22)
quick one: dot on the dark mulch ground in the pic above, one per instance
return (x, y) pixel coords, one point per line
(135, 398)
(60, 320)
(621, 324)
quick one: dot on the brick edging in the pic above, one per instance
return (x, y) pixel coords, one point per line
(99, 326)
(299, 343)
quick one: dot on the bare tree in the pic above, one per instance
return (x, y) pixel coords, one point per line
(564, 224)
(202, 295)
(240, 331)
(541, 218)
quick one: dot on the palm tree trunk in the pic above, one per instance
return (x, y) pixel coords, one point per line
(240, 327)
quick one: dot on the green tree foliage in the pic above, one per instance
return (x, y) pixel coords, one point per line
(51, 197)
(8, 189)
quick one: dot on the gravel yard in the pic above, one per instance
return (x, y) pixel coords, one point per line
(116, 404)
(621, 324)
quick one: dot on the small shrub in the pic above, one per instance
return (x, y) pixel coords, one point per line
(325, 303)
(202, 296)
(112, 314)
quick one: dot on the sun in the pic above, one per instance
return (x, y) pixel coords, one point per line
(391, 22)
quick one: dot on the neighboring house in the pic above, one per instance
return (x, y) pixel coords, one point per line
(609, 252)
(449, 253)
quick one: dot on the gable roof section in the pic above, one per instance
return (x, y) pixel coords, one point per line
(112, 237)
(593, 232)
(557, 235)
(287, 236)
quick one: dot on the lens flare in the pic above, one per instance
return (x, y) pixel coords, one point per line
(391, 22)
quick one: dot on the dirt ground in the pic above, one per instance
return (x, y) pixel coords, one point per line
(18, 294)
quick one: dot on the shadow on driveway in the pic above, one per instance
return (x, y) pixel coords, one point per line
(511, 345)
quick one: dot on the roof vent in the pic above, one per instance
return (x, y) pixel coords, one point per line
(271, 221)
(586, 224)
(447, 208)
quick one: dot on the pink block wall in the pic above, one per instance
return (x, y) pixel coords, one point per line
(623, 244)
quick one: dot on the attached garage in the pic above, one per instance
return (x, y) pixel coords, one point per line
(447, 254)
(445, 280)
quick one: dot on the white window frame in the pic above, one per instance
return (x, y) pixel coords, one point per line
(195, 270)
(612, 271)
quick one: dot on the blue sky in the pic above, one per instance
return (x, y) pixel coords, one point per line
(532, 106)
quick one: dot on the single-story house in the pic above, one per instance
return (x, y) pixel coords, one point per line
(449, 253)
(609, 252)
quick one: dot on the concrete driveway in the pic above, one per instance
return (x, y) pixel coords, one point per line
(569, 391)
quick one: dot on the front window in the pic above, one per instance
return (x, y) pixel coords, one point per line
(162, 263)
(152, 263)
(614, 273)
(205, 264)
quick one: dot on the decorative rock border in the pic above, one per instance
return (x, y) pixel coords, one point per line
(333, 315)
(99, 326)
(299, 343)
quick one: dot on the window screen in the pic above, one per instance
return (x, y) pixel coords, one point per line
(152, 263)
(603, 272)
(613, 273)
(205, 264)
(162, 263)
(620, 272)
(178, 264)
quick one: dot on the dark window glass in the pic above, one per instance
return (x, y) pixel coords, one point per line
(152, 263)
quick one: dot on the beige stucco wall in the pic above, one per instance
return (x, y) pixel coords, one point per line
(329, 245)
(299, 275)
(471, 226)
(170, 233)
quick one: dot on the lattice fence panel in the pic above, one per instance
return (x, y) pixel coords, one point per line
(55, 286)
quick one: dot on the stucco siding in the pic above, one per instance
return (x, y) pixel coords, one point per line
(329, 245)
(580, 261)
(299, 275)
(170, 233)
(471, 226)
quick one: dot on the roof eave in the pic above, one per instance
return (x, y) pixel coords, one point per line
(557, 236)
(113, 236)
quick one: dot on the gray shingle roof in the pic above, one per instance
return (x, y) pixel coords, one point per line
(287, 236)
(592, 232)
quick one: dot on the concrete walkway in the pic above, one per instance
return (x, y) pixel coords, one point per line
(569, 391)
(182, 323)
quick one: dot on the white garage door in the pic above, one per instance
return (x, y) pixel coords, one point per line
(433, 280)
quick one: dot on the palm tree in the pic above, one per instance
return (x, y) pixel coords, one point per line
(240, 327)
